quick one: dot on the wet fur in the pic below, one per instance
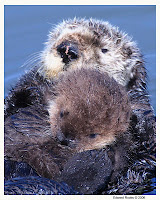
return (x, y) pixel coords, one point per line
(121, 61)
(34, 185)
(104, 111)
(91, 109)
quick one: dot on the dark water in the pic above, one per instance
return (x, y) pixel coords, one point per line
(26, 29)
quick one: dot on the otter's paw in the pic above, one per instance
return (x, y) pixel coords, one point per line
(88, 172)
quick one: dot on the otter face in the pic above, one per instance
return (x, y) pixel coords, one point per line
(90, 110)
(79, 42)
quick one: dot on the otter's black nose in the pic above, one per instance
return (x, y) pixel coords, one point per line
(68, 51)
(65, 139)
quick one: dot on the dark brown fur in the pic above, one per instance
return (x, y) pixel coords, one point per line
(91, 109)
(28, 139)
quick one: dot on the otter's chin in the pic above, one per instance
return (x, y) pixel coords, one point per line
(53, 65)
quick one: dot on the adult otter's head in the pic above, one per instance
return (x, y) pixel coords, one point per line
(80, 42)
(90, 110)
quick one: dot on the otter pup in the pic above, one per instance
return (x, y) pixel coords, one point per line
(87, 110)
(90, 110)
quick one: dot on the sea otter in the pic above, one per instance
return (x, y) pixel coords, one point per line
(79, 42)
(93, 42)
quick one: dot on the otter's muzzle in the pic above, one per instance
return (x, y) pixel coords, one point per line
(68, 51)
(65, 140)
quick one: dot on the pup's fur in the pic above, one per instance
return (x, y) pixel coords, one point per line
(91, 109)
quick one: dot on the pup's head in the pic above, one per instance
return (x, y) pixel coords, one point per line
(91, 109)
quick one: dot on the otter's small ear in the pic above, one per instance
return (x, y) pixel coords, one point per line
(63, 113)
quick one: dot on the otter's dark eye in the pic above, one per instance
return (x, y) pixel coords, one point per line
(93, 135)
(104, 50)
(63, 113)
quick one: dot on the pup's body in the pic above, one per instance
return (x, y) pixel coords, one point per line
(89, 107)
